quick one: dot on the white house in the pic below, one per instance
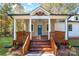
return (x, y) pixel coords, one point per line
(73, 27)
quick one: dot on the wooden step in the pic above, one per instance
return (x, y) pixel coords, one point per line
(40, 49)
(42, 46)
(45, 43)
(40, 40)
(43, 37)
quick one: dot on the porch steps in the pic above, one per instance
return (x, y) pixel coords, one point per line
(39, 40)
(40, 49)
(40, 45)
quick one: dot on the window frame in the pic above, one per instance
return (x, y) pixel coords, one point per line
(76, 18)
(47, 27)
(69, 27)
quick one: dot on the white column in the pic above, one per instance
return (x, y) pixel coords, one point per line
(66, 29)
(30, 21)
(14, 29)
(49, 28)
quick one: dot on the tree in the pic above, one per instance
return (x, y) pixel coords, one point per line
(18, 9)
(58, 8)
(4, 9)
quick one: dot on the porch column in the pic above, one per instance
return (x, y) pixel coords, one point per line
(66, 30)
(49, 28)
(14, 29)
(30, 28)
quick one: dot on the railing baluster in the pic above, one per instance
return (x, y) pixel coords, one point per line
(53, 45)
(26, 45)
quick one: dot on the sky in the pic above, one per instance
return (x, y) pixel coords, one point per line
(30, 6)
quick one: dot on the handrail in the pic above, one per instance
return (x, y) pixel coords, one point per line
(53, 45)
(26, 45)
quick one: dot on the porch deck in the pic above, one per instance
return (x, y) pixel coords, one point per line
(41, 42)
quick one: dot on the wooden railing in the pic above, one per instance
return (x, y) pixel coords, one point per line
(58, 36)
(53, 45)
(19, 38)
(26, 45)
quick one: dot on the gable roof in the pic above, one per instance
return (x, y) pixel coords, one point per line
(39, 8)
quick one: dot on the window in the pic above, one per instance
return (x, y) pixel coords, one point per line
(47, 27)
(32, 27)
(70, 27)
(76, 18)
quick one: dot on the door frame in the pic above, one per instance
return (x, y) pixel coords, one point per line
(40, 29)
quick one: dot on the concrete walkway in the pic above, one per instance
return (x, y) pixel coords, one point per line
(40, 53)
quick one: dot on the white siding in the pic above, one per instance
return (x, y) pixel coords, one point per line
(75, 28)
(60, 26)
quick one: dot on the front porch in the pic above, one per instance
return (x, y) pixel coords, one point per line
(39, 33)
(24, 38)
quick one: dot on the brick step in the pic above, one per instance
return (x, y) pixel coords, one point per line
(40, 49)
(44, 43)
(41, 46)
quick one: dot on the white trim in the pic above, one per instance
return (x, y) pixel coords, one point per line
(66, 28)
(49, 28)
(39, 17)
(30, 25)
(30, 22)
(14, 29)
(49, 25)
(38, 9)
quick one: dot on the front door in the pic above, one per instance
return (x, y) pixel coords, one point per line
(39, 29)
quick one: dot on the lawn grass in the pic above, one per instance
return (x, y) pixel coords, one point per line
(74, 42)
(5, 41)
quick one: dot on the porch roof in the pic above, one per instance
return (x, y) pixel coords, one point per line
(51, 16)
